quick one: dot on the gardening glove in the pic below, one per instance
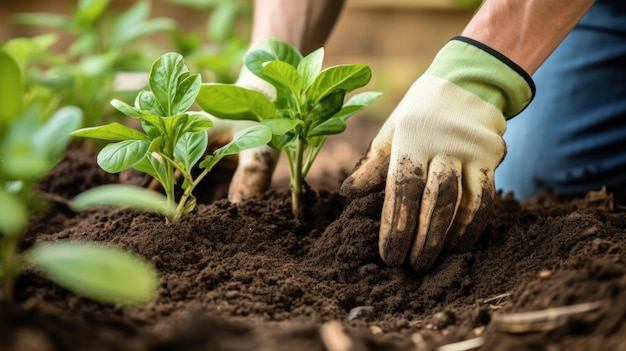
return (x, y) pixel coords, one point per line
(256, 166)
(437, 153)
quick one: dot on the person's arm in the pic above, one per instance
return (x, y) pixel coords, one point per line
(525, 31)
(305, 24)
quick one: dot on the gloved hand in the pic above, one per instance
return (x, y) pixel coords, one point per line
(436, 154)
(256, 166)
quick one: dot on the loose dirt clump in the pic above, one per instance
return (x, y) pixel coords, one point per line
(249, 277)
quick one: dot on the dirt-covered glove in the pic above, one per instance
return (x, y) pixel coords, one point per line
(256, 166)
(436, 154)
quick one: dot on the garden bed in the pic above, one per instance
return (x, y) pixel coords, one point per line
(249, 277)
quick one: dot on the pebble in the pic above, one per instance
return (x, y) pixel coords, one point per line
(360, 312)
(376, 330)
(443, 319)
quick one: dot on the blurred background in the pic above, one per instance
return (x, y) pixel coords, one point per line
(73, 52)
(397, 38)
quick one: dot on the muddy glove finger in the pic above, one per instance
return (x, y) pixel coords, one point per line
(439, 204)
(478, 200)
(370, 172)
(405, 184)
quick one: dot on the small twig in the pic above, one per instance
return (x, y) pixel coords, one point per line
(497, 302)
(541, 320)
(54, 198)
(498, 298)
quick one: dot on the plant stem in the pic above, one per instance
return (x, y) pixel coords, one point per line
(8, 266)
(169, 181)
(296, 181)
(192, 184)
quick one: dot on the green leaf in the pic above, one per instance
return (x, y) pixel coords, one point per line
(32, 148)
(14, 214)
(343, 77)
(89, 11)
(102, 273)
(11, 88)
(133, 24)
(148, 103)
(198, 122)
(270, 50)
(327, 107)
(128, 110)
(222, 21)
(24, 50)
(153, 125)
(310, 67)
(363, 99)
(280, 50)
(122, 155)
(54, 136)
(173, 126)
(112, 131)
(186, 93)
(283, 74)
(251, 137)
(164, 78)
(46, 19)
(21, 160)
(117, 195)
(234, 102)
(152, 167)
(282, 142)
(150, 120)
(254, 61)
(280, 126)
(328, 127)
(337, 123)
(190, 148)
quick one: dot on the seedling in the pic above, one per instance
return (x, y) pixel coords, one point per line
(309, 104)
(29, 147)
(173, 140)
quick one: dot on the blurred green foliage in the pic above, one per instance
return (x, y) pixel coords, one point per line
(102, 46)
(105, 43)
(31, 144)
(218, 52)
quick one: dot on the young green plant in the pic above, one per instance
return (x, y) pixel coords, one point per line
(309, 106)
(173, 140)
(30, 146)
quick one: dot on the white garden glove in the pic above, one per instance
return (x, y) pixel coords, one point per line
(255, 167)
(437, 153)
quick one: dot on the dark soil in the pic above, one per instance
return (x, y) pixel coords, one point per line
(249, 277)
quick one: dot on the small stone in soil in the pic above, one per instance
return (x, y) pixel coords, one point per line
(443, 319)
(360, 312)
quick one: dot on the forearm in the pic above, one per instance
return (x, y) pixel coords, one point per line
(305, 24)
(525, 31)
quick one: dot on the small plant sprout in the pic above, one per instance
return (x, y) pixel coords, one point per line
(309, 104)
(173, 140)
(31, 144)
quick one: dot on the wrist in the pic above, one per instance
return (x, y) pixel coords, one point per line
(486, 73)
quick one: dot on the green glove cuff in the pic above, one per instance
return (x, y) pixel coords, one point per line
(486, 73)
